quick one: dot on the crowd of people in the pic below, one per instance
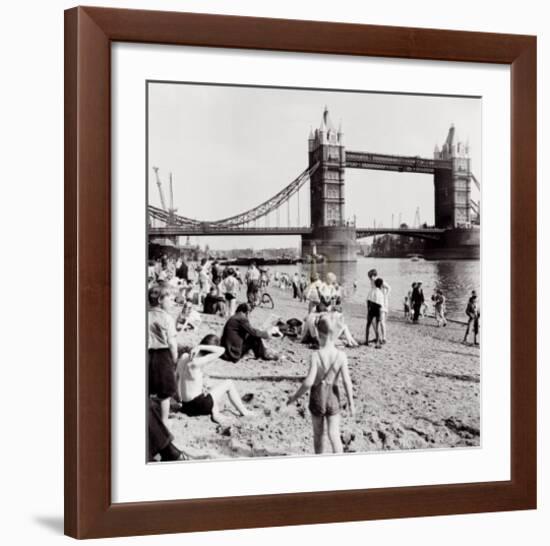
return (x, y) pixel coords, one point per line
(416, 307)
(179, 294)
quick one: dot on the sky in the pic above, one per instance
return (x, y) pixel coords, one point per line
(230, 148)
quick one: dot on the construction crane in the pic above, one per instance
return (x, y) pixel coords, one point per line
(416, 222)
(172, 210)
(159, 184)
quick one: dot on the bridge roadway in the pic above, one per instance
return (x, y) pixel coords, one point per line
(420, 233)
(385, 162)
(205, 230)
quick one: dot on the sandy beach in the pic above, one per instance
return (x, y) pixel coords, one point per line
(420, 390)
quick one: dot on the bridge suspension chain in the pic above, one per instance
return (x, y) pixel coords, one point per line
(249, 217)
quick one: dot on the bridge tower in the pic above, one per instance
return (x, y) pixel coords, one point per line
(453, 185)
(332, 236)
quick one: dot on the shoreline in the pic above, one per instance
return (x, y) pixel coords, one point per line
(421, 390)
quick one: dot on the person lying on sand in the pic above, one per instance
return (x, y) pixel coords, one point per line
(327, 366)
(196, 400)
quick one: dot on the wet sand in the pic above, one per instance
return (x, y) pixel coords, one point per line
(420, 390)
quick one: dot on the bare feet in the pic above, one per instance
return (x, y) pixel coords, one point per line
(216, 417)
(271, 356)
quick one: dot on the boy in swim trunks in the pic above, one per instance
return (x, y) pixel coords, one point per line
(196, 400)
(326, 367)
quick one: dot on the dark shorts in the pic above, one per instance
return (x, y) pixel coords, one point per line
(373, 310)
(200, 405)
(253, 286)
(162, 373)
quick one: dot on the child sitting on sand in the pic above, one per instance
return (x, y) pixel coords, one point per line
(196, 400)
(327, 366)
(189, 318)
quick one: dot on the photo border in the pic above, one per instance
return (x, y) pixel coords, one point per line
(89, 32)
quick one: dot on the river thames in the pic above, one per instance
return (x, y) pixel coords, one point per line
(457, 279)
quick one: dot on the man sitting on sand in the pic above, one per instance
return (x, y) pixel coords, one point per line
(195, 399)
(239, 337)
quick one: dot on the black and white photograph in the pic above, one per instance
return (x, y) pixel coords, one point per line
(312, 278)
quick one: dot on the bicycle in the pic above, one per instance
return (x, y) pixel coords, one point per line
(265, 301)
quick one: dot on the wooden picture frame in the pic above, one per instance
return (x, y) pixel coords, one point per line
(89, 511)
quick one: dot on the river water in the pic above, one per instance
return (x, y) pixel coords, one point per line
(457, 279)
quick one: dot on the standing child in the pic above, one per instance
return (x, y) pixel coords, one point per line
(473, 318)
(406, 308)
(327, 366)
(162, 348)
(375, 305)
(439, 307)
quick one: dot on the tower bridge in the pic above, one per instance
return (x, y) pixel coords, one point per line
(326, 231)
